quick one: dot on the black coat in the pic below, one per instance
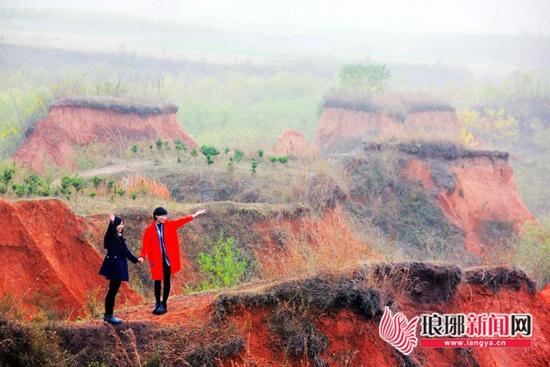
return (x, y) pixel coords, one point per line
(115, 266)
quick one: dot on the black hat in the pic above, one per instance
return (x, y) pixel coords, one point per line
(159, 211)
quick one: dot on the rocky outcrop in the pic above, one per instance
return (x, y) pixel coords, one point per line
(113, 123)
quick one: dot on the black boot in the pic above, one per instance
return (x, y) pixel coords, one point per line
(162, 309)
(111, 319)
(156, 309)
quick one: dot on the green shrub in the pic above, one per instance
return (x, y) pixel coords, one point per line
(275, 159)
(7, 174)
(78, 183)
(97, 180)
(260, 153)
(194, 152)
(159, 144)
(225, 266)
(33, 182)
(20, 189)
(65, 186)
(71, 184)
(238, 155)
(134, 148)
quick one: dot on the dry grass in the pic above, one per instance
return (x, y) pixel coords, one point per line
(311, 245)
(145, 186)
(398, 104)
(115, 104)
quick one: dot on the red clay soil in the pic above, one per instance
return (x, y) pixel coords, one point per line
(307, 244)
(485, 192)
(338, 124)
(354, 340)
(293, 143)
(46, 260)
(54, 140)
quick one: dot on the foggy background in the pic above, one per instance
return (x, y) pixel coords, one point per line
(326, 17)
(241, 72)
(488, 36)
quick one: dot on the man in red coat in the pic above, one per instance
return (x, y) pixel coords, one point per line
(160, 244)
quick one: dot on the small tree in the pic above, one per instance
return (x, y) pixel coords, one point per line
(209, 151)
(65, 187)
(78, 183)
(96, 181)
(238, 155)
(179, 145)
(261, 153)
(253, 165)
(159, 144)
(134, 149)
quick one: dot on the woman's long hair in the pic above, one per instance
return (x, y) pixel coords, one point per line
(111, 231)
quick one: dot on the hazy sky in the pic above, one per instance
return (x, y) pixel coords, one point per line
(327, 16)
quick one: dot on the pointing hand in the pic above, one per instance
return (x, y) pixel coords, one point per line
(199, 212)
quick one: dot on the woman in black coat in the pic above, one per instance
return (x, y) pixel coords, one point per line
(115, 265)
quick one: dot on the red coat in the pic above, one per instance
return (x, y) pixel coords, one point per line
(150, 247)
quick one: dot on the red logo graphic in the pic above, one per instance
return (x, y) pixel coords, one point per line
(398, 331)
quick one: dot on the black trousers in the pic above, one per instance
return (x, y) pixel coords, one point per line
(114, 285)
(166, 291)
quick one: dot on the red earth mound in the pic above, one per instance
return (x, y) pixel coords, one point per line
(340, 128)
(293, 143)
(114, 123)
(324, 320)
(47, 262)
(477, 194)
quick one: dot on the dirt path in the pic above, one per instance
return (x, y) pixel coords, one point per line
(119, 167)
